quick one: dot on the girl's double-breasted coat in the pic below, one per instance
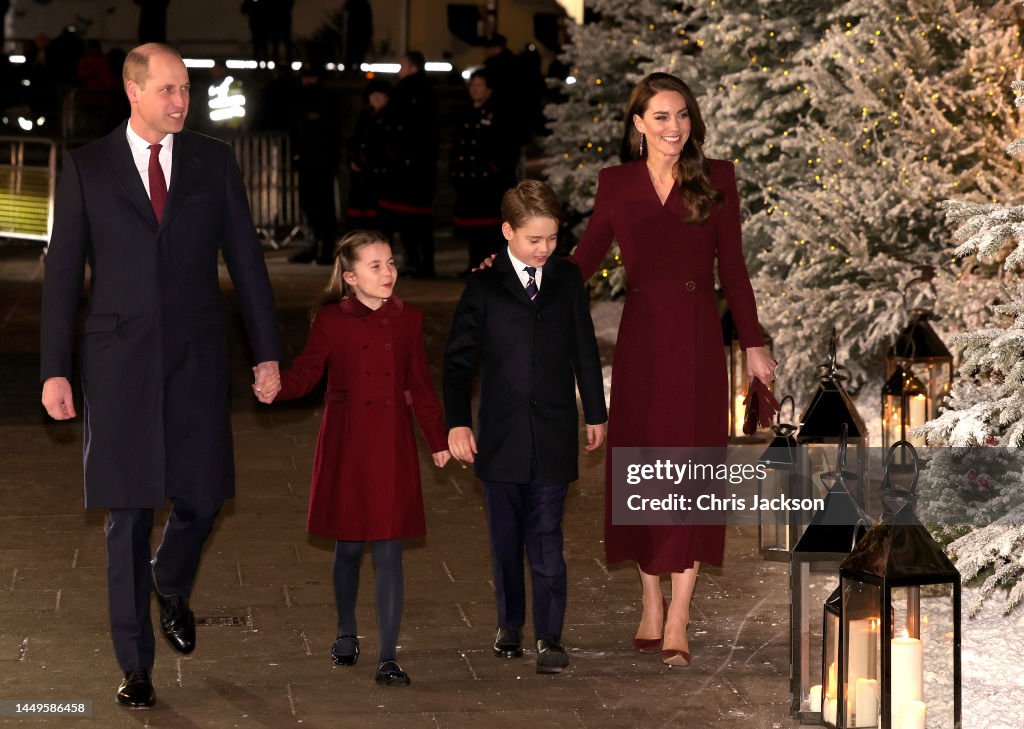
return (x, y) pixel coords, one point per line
(366, 481)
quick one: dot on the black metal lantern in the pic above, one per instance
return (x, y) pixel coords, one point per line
(815, 561)
(900, 622)
(904, 406)
(829, 410)
(736, 359)
(778, 530)
(919, 351)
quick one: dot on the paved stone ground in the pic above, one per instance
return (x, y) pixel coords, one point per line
(265, 590)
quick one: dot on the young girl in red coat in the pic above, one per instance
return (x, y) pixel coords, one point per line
(366, 483)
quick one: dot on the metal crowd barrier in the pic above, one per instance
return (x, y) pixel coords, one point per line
(272, 186)
(28, 180)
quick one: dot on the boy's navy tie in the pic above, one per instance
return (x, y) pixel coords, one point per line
(531, 285)
(157, 184)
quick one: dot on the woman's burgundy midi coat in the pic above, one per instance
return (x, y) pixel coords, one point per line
(366, 480)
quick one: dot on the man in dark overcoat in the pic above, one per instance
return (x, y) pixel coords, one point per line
(148, 208)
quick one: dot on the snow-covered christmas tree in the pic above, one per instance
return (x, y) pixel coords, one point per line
(606, 57)
(905, 105)
(987, 404)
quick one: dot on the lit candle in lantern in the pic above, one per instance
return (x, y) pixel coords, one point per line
(867, 702)
(859, 664)
(828, 711)
(907, 675)
(815, 699)
(912, 715)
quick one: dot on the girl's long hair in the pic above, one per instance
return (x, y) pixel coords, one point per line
(691, 172)
(346, 253)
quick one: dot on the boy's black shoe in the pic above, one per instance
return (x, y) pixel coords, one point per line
(136, 690)
(508, 643)
(551, 657)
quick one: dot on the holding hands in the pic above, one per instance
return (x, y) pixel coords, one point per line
(441, 458)
(268, 381)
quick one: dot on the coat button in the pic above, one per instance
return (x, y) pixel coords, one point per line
(388, 403)
(385, 321)
(367, 373)
(366, 346)
(690, 285)
(540, 317)
(533, 402)
(387, 347)
(369, 402)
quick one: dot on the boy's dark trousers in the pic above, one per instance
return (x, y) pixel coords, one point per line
(528, 515)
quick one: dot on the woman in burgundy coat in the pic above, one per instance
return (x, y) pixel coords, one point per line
(366, 481)
(674, 213)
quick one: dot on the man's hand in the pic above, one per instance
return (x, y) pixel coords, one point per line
(268, 381)
(595, 435)
(462, 444)
(57, 398)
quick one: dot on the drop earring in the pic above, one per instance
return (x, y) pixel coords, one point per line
(642, 138)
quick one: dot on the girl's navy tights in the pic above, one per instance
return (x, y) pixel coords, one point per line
(387, 563)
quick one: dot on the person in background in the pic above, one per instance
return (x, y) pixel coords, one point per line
(366, 162)
(483, 165)
(411, 129)
(152, 20)
(315, 131)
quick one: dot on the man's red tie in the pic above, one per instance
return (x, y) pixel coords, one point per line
(157, 183)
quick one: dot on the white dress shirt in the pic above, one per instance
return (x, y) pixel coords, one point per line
(523, 275)
(140, 153)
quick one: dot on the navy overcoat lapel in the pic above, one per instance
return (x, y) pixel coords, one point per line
(122, 164)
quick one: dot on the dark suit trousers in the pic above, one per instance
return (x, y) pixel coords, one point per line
(130, 573)
(528, 515)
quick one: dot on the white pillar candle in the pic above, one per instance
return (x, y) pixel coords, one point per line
(912, 715)
(867, 702)
(906, 677)
(918, 411)
(815, 699)
(828, 711)
(859, 664)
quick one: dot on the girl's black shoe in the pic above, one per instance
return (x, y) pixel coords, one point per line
(389, 673)
(346, 650)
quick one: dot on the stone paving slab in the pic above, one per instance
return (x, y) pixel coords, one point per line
(264, 587)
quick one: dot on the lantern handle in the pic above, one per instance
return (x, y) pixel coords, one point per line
(887, 462)
(840, 474)
(792, 409)
(926, 277)
(830, 370)
(856, 527)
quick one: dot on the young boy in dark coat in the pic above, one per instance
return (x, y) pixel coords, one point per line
(526, 322)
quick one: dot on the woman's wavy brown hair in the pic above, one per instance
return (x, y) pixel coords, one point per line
(692, 173)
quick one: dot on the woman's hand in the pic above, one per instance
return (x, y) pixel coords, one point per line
(441, 458)
(760, 364)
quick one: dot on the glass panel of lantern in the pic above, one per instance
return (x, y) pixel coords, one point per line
(778, 529)
(825, 543)
(919, 350)
(736, 358)
(830, 409)
(899, 660)
(904, 406)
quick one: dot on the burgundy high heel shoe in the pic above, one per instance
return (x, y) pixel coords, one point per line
(673, 657)
(652, 645)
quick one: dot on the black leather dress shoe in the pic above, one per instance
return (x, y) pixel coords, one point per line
(508, 643)
(345, 651)
(551, 656)
(136, 690)
(389, 673)
(177, 622)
